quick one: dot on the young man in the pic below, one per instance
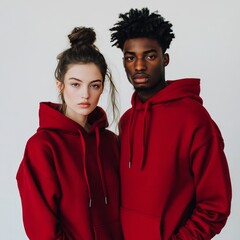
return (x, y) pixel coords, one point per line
(174, 174)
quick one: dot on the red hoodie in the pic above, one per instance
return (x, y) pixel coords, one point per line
(174, 175)
(65, 170)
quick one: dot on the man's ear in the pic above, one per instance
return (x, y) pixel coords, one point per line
(166, 59)
(59, 85)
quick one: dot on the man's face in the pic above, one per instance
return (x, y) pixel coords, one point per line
(144, 63)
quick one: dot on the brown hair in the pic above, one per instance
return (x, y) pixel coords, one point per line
(84, 51)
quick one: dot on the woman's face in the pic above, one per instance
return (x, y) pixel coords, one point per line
(83, 85)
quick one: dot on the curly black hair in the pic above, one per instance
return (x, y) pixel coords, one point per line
(141, 23)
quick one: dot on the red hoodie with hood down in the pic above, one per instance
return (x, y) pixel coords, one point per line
(175, 181)
(69, 179)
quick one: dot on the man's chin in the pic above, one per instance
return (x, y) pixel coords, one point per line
(140, 88)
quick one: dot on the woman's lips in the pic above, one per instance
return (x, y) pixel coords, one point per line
(84, 105)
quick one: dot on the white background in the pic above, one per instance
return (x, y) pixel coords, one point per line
(32, 33)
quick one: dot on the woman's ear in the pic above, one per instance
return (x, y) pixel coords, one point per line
(59, 86)
(165, 59)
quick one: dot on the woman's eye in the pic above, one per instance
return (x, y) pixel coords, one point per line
(75, 84)
(95, 86)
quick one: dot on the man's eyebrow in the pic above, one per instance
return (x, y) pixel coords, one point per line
(150, 51)
(145, 52)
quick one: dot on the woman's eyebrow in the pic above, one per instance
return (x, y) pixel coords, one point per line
(73, 78)
(79, 80)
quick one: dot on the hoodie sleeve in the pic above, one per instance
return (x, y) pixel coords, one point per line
(39, 192)
(213, 187)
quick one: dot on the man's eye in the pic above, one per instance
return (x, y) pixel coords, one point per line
(150, 57)
(129, 58)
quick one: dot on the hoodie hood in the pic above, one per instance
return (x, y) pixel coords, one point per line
(50, 118)
(175, 91)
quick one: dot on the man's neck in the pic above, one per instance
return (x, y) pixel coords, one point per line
(145, 94)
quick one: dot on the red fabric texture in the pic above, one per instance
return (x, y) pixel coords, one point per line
(175, 181)
(64, 168)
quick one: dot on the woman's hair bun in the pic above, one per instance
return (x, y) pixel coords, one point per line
(82, 36)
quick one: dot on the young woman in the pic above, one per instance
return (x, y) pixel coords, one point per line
(68, 179)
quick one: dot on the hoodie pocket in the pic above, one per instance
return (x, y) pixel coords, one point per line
(112, 231)
(140, 226)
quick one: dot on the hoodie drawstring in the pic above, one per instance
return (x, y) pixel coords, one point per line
(104, 187)
(85, 168)
(100, 166)
(130, 139)
(145, 133)
(145, 128)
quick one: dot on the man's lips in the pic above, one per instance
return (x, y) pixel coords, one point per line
(140, 78)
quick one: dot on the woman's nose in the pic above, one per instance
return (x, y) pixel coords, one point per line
(85, 92)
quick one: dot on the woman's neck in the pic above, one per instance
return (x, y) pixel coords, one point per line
(80, 119)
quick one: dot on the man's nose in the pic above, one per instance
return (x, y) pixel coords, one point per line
(140, 64)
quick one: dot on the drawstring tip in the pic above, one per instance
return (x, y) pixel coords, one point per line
(129, 165)
(106, 200)
(90, 203)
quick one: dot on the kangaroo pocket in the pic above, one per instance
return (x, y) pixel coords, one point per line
(140, 226)
(112, 231)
